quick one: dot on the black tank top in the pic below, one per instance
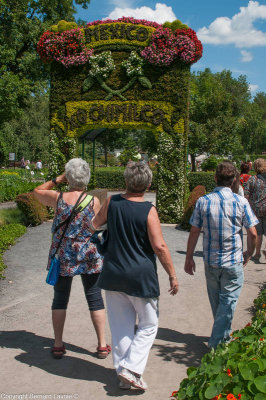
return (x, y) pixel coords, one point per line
(129, 263)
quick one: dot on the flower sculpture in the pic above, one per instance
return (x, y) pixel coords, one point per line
(133, 65)
(67, 48)
(102, 65)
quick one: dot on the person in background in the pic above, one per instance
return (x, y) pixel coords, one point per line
(39, 165)
(22, 163)
(129, 275)
(222, 214)
(77, 254)
(245, 168)
(244, 173)
(255, 192)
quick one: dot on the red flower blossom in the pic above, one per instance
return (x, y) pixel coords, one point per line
(174, 393)
(230, 396)
(229, 372)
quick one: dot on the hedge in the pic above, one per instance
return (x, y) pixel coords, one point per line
(203, 179)
(8, 234)
(113, 178)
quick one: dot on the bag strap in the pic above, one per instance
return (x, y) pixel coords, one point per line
(84, 203)
(67, 221)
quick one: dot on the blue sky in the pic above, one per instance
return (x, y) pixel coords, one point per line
(233, 32)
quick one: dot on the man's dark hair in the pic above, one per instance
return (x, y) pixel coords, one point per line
(225, 173)
(245, 168)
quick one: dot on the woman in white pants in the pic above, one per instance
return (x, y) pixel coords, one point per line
(129, 273)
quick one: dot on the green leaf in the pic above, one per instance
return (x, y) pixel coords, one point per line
(182, 394)
(260, 364)
(191, 369)
(259, 396)
(260, 383)
(88, 83)
(249, 338)
(248, 371)
(145, 82)
(213, 390)
(190, 390)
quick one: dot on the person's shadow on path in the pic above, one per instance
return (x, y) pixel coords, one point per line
(38, 354)
(188, 349)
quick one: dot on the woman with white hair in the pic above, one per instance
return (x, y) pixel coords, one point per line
(77, 255)
(129, 274)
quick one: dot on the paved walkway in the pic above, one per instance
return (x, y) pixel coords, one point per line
(27, 367)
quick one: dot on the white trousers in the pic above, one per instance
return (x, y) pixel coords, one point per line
(130, 349)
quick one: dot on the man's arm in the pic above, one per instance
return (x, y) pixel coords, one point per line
(190, 266)
(251, 244)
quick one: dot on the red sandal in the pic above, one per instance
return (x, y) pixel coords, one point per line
(103, 352)
(58, 352)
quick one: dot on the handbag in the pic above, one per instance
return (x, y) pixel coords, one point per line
(100, 239)
(54, 270)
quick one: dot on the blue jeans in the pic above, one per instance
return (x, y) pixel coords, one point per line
(224, 286)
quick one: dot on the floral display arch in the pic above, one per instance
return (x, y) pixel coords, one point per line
(125, 73)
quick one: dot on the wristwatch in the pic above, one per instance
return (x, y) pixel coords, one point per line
(54, 181)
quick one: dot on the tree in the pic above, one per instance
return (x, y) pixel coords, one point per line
(217, 103)
(253, 126)
(28, 134)
(22, 22)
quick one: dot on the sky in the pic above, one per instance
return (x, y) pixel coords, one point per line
(233, 32)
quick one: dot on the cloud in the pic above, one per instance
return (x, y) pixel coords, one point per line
(246, 56)
(239, 31)
(160, 14)
(253, 88)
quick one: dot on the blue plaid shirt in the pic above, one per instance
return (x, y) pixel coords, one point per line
(222, 214)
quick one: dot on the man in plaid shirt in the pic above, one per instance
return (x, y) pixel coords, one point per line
(222, 214)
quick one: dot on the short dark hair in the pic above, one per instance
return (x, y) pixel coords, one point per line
(225, 173)
(245, 167)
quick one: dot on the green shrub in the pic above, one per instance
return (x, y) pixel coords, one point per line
(235, 370)
(12, 185)
(196, 193)
(35, 213)
(113, 178)
(210, 163)
(8, 234)
(11, 216)
(201, 178)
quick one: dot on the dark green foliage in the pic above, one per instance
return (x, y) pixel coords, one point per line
(35, 213)
(201, 178)
(8, 234)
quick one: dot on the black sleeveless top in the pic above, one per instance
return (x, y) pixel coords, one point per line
(129, 263)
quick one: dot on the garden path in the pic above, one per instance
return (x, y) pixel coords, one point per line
(26, 337)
